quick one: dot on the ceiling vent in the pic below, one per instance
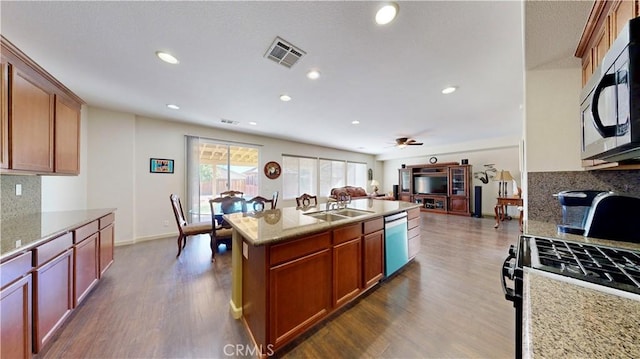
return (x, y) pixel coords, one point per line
(229, 122)
(284, 53)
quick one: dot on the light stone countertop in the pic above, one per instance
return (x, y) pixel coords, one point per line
(21, 233)
(568, 318)
(284, 223)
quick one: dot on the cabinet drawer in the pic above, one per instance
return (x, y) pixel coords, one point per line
(373, 225)
(107, 220)
(85, 231)
(511, 203)
(48, 251)
(284, 252)
(15, 268)
(413, 232)
(347, 233)
(413, 213)
(413, 223)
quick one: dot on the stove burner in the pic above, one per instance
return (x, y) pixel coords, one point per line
(613, 267)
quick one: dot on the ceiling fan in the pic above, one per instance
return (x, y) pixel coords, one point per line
(406, 141)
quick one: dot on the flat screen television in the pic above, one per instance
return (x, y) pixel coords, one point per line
(430, 185)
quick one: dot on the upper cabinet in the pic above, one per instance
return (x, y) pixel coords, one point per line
(40, 130)
(606, 20)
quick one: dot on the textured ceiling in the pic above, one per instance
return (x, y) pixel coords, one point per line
(387, 77)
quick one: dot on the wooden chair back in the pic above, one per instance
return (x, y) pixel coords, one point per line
(225, 205)
(260, 203)
(274, 198)
(232, 193)
(177, 211)
(306, 200)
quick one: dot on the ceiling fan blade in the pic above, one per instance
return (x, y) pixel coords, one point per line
(415, 144)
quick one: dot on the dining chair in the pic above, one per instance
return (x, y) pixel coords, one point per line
(259, 203)
(305, 200)
(187, 229)
(232, 193)
(222, 231)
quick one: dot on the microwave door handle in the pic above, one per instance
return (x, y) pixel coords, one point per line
(605, 131)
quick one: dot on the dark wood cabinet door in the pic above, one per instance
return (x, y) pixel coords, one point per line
(300, 295)
(86, 267)
(67, 137)
(15, 319)
(459, 204)
(347, 275)
(31, 123)
(373, 258)
(53, 291)
(106, 248)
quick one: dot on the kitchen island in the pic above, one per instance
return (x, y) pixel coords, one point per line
(296, 266)
(566, 317)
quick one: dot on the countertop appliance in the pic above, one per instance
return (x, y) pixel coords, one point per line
(601, 265)
(575, 207)
(396, 242)
(610, 101)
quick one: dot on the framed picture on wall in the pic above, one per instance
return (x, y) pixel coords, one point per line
(161, 165)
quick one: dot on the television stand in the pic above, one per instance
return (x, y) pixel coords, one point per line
(432, 202)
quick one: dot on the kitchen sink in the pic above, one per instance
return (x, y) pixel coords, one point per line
(336, 215)
(349, 212)
(325, 216)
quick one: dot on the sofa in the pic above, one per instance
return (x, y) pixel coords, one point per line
(354, 193)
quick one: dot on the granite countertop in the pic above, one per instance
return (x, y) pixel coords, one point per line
(22, 233)
(289, 222)
(567, 318)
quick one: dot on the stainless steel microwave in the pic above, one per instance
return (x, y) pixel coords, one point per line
(610, 102)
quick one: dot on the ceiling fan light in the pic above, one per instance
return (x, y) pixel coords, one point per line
(386, 13)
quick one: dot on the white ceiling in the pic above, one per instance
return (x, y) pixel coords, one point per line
(387, 77)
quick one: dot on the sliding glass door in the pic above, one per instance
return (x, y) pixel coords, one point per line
(214, 167)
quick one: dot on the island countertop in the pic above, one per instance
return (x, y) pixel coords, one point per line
(284, 223)
(25, 232)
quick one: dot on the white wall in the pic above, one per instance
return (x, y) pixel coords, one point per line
(120, 146)
(66, 193)
(552, 123)
(505, 158)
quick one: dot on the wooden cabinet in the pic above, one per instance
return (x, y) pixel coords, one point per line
(373, 252)
(300, 288)
(31, 122)
(443, 188)
(67, 137)
(106, 242)
(413, 226)
(606, 20)
(40, 118)
(15, 307)
(404, 184)
(86, 256)
(347, 275)
(53, 287)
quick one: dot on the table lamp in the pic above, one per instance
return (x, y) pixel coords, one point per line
(503, 178)
(375, 184)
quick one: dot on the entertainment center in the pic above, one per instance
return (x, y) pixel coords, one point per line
(442, 188)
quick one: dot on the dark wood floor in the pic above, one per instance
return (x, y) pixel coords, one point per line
(448, 303)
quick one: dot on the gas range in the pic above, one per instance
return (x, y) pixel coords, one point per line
(612, 267)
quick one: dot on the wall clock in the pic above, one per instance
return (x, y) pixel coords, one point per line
(272, 170)
(433, 160)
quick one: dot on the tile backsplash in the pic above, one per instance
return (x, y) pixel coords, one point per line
(544, 207)
(30, 201)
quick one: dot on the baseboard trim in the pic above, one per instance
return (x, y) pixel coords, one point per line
(144, 239)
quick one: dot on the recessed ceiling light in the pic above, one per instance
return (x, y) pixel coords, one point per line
(285, 98)
(355, 122)
(252, 123)
(167, 57)
(386, 14)
(173, 107)
(450, 89)
(313, 74)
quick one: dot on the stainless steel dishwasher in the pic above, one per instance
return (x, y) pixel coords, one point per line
(396, 244)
